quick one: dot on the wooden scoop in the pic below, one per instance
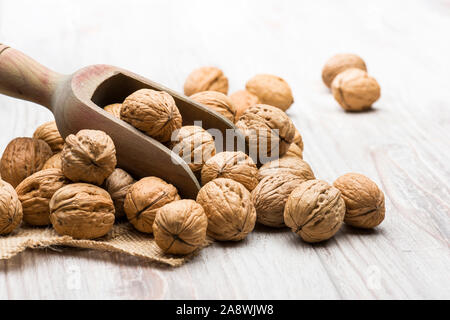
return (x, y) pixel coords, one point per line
(77, 103)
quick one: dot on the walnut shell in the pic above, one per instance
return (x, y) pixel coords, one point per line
(314, 210)
(194, 145)
(339, 63)
(218, 102)
(180, 227)
(114, 109)
(54, 162)
(117, 185)
(228, 205)
(23, 157)
(10, 208)
(88, 156)
(206, 79)
(50, 134)
(82, 211)
(243, 100)
(289, 165)
(364, 201)
(232, 165)
(294, 151)
(271, 90)
(298, 140)
(268, 131)
(153, 112)
(355, 90)
(144, 198)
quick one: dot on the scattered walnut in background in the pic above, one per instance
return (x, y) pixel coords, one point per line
(10, 208)
(54, 162)
(271, 90)
(339, 63)
(35, 193)
(23, 157)
(153, 112)
(243, 100)
(114, 109)
(180, 227)
(314, 210)
(289, 165)
(144, 198)
(50, 134)
(364, 201)
(118, 184)
(88, 156)
(228, 205)
(206, 79)
(218, 102)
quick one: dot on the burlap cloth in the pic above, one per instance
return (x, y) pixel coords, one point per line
(123, 238)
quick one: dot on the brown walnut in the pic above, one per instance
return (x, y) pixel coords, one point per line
(50, 134)
(54, 162)
(114, 109)
(271, 90)
(339, 63)
(243, 100)
(206, 79)
(298, 140)
(117, 185)
(218, 102)
(289, 165)
(10, 208)
(294, 151)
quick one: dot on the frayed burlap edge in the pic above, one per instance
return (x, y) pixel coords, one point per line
(123, 238)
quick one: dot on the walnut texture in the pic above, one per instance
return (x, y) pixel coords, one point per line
(10, 208)
(271, 90)
(117, 185)
(217, 102)
(114, 109)
(50, 134)
(54, 162)
(298, 140)
(339, 63)
(294, 151)
(243, 100)
(206, 79)
(289, 165)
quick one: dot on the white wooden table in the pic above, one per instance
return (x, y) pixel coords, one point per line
(403, 144)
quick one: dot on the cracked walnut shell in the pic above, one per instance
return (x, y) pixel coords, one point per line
(10, 208)
(243, 100)
(82, 211)
(89, 156)
(153, 112)
(114, 109)
(228, 205)
(364, 201)
(180, 227)
(286, 165)
(355, 90)
(339, 63)
(206, 79)
(143, 200)
(271, 90)
(23, 157)
(233, 165)
(314, 210)
(54, 162)
(117, 185)
(50, 134)
(217, 102)
(35, 193)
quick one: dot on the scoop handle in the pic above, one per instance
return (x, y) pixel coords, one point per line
(23, 78)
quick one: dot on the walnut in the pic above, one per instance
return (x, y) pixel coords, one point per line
(10, 208)
(233, 165)
(271, 90)
(355, 90)
(294, 151)
(23, 157)
(82, 211)
(314, 210)
(180, 227)
(144, 198)
(195, 145)
(218, 102)
(35, 193)
(118, 184)
(243, 100)
(53, 162)
(289, 165)
(339, 63)
(153, 112)
(114, 109)
(228, 205)
(266, 129)
(298, 140)
(364, 201)
(50, 134)
(88, 156)
(206, 79)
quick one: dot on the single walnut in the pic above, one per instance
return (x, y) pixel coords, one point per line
(228, 205)
(23, 157)
(82, 211)
(314, 210)
(144, 198)
(289, 165)
(206, 79)
(153, 112)
(268, 131)
(195, 145)
(218, 102)
(10, 208)
(298, 140)
(180, 227)
(364, 201)
(35, 193)
(88, 156)
(243, 100)
(50, 134)
(271, 90)
(339, 63)
(118, 184)
(294, 151)
(233, 165)
(355, 90)
(114, 109)
(54, 162)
